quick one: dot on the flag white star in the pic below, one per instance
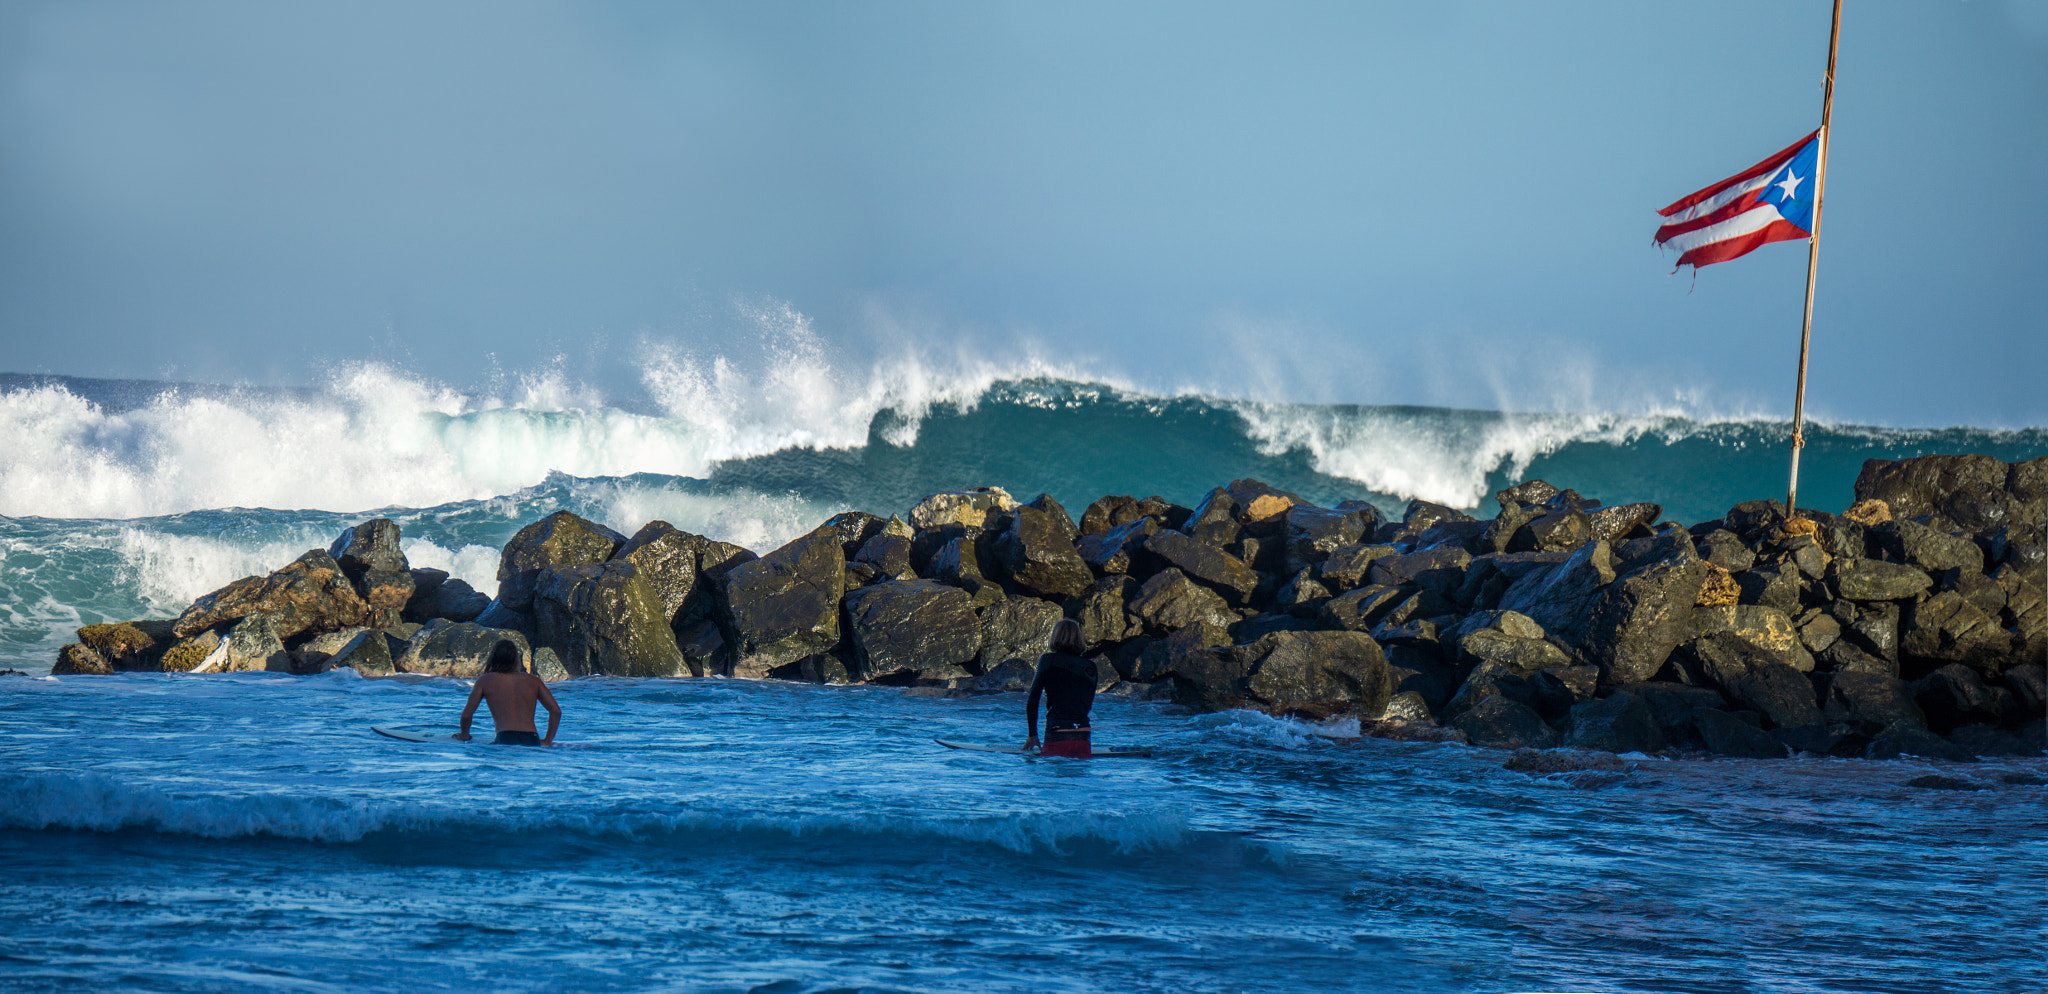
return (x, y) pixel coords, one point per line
(1789, 184)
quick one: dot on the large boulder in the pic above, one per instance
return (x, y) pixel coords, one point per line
(1347, 566)
(1262, 509)
(457, 649)
(606, 620)
(1039, 557)
(311, 594)
(253, 643)
(1768, 630)
(1214, 520)
(1560, 597)
(889, 555)
(1620, 521)
(1170, 601)
(1441, 569)
(977, 508)
(1929, 549)
(77, 659)
(1505, 724)
(1783, 695)
(1101, 610)
(1622, 722)
(130, 645)
(783, 606)
(1867, 702)
(1218, 570)
(1903, 738)
(560, 539)
(370, 556)
(1318, 666)
(1946, 628)
(1726, 733)
(1636, 622)
(1954, 696)
(914, 625)
(1313, 532)
(1965, 492)
(1873, 580)
(1020, 628)
(1110, 550)
(1558, 531)
(1506, 638)
(435, 594)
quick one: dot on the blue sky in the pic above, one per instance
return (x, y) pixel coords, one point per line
(1445, 203)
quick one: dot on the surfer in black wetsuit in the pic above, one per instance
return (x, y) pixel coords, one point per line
(1068, 683)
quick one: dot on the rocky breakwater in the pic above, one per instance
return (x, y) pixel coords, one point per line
(1911, 623)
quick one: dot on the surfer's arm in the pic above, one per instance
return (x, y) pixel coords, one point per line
(1031, 710)
(476, 693)
(547, 700)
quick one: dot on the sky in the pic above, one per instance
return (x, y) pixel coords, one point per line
(1443, 203)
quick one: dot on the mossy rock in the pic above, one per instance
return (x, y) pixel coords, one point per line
(187, 654)
(128, 645)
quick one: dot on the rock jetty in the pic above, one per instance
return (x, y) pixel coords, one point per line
(1913, 622)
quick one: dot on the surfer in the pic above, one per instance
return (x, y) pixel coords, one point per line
(512, 692)
(1068, 683)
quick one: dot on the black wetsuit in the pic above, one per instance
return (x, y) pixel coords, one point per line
(1068, 683)
(517, 739)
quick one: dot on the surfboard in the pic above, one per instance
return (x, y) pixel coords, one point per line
(409, 736)
(1097, 752)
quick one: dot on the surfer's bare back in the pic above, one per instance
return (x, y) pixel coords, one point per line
(512, 693)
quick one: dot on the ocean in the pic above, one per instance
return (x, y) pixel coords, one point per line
(249, 832)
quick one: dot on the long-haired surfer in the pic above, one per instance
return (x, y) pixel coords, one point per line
(1068, 684)
(512, 693)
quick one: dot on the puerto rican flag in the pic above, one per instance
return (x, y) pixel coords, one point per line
(1771, 201)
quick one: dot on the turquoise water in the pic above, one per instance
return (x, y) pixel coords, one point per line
(249, 833)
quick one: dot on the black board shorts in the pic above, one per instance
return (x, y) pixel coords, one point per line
(517, 739)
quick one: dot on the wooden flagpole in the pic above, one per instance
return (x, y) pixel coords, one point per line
(1820, 182)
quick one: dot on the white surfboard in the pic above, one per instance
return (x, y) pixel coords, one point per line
(1096, 752)
(407, 735)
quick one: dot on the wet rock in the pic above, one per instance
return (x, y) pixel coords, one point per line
(1111, 550)
(1313, 532)
(1262, 509)
(665, 558)
(1500, 723)
(1871, 580)
(443, 597)
(1558, 531)
(1441, 569)
(1867, 702)
(1635, 623)
(1538, 762)
(1989, 740)
(370, 556)
(1561, 597)
(2029, 685)
(1489, 680)
(1506, 638)
(1726, 734)
(560, 539)
(1170, 601)
(1954, 696)
(1347, 567)
(1101, 610)
(1301, 596)
(77, 659)
(913, 625)
(1109, 512)
(1526, 494)
(889, 555)
(1045, 504)
(1775, 587)
(130, 646)
(1206, 564)
(854, 528)
(311, 594)
(457, 649)
(1019, 628)
(783, 606)
(1875, 629)
(1037, 555)
(1780, 693)
(1621, 722)
(1946, 629)
(607, 620)
(977, 508)
(1214, 520)
(1318, 666)
(1619, 521)
(1902, 738)
(1675, 708)
(1722, 548)
(1928, 549)
(1187, 648)
(1966, 491)
(1558, 689)
(1768, 630)
(1407, 706)
(365, 650)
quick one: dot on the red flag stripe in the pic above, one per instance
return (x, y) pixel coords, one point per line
(1780, 230)
(1757, 172)
(1733, 208)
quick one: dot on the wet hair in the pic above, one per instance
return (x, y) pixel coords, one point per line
(1066, 637)
(505, 658)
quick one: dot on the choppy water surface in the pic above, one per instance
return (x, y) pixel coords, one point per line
(250, 833)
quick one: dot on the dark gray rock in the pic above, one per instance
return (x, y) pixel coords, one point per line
(1903, 738)
(1620, 521)
(1558, 531)
(442, 596)
(889, 555)
(605, 620)
(1871, 580)
(370, 556)
(1038, 556)
(457, 649)
(1968, 492)
(1945, 629)
(1489, 680)
(1621, 722)
(1170, 601)
(1218, 570)
(560, 539)
(1019, 628)
(1526, 494)
(1101, 610)
(1927, 549)
(1302, 596)
(1644, 615)
(1726, 734)
(1317, 666)
(1783, 695)
(1558, 689)
(1675, 706)
(1501, 723)
(2029, 685)
(1347, 566)
(912, 625)
(1722, 548)
(1313, 532)
(1214, 520)
(1561, 597)
(1776, 587)
(1441, 569)
(1359, 610)
(783, 606)
(1109, 512)
(1954, 696)
(1507, 638)
(1867, 702)
(1110, 550)
(854, 528)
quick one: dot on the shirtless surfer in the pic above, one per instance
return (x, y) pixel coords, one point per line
(512, 692)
